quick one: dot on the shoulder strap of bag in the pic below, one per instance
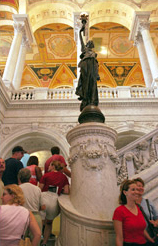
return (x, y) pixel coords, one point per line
(148, 205)
(144, 214)
(151, 227)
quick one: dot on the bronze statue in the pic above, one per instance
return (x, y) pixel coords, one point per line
(87, 84)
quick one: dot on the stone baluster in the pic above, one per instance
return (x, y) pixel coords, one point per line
(20, 63)
(13, 54)
(150, 49)
(143, 60)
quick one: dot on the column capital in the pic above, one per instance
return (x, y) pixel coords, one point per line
(143, 26)
(140, 18)
(18, 28)
(25, 42)
(138, 39)
(23, 19)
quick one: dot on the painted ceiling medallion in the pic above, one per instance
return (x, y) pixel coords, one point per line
(120, 45)
(61, 45)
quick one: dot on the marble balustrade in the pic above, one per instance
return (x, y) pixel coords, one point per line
(69, 93)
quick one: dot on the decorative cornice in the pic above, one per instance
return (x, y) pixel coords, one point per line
(92, 128)
(73, 103)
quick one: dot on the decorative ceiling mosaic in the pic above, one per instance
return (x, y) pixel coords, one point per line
(52, 60)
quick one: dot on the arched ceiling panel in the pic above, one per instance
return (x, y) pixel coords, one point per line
(111, 12)
(50, 13)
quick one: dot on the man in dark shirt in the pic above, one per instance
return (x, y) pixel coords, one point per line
(13, 165)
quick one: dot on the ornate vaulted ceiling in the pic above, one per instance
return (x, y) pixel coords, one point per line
(52, 59)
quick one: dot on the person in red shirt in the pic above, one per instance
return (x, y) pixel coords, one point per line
(56, 157)
(52, 185)
(129, 222)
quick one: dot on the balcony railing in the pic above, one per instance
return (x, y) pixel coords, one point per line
(69, 93)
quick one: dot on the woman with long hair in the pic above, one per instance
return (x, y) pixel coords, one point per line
(35, 170)
(129, 222)
(15, 219)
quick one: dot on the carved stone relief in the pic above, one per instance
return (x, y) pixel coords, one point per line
(94, 154)
(144, 155)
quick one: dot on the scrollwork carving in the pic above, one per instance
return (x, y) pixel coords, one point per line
(6, 130)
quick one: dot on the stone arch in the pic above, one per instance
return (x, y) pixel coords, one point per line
(127, 137)
(35, 140)
(110, 12)
(129, 132)
(45, 14)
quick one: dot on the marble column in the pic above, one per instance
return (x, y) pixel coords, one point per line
(13, 54)
(20, 63)
(143, 60)
(22, 29)
(86, 215)
(150, 49)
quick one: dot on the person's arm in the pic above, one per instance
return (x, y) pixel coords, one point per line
(147, 236)
(81, 38)
(41, 186)
(67, 172)
(119, 232)
(38, 173)
(66, 189)
(154, 211)
(35, 230)
(154, 222)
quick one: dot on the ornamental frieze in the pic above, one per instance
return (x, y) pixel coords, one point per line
(93, 154)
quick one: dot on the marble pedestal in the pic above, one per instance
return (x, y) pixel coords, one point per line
(86, 215)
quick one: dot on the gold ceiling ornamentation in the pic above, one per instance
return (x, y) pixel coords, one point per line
(61, 45)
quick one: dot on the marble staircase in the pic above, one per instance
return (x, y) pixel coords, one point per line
(140, 159)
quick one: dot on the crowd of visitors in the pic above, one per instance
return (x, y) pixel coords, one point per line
(29, 198)
(29, 202)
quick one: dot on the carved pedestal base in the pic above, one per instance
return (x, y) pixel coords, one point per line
(79, 230)
(87, 215)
